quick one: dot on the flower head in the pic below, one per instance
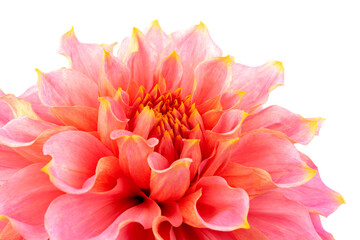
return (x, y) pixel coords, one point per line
(167, 139)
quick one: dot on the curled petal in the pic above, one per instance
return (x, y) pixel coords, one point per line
(19, 107)
(130, 230)
(315, 218)
(133, 153)
(114, 75)
(314, 194)
(192, 150)
(212, 78)
(172, 212)
(142, 60)
(7, 231)
(156, 37)
(162, 229)
(215, 205)
(280, 218)
(25, 198)
(193, 45)
(257, 82)
(299, 129)
(85, 58)
(71, 167)
(65, 87)
(144, 122)
(168, 182)
(99, 216)
(274, 153)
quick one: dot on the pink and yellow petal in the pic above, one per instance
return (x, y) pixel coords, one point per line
(156, 37)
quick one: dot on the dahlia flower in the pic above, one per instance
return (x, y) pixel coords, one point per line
(167, 139)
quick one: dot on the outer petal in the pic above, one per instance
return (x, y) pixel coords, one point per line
(215, 205)
(273, 152)
(24, 199)
(6, 113)
(142, 60)
(133, 153)
(1, 93)
(99, 216)
(315, 218)
(297, 128)
(85, 58)
(65, 87)
(257, 82)
(157, 38)
(212, 78)
(75, 156)
(7, 232)
(193, 45)
(168, 182)
(32, 95)
(10, 163)
(280, 218)
(114, 75)
(27, 136)
(314, 194)
(19, 107)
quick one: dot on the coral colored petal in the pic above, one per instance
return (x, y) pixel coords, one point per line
(65, 87)
(193, 45)
(166, 147)
(231, 99)
(192, 150)
(168, 182)
(315, 218)
(212, 78)
(249, 234)
(75, 156)
(215, 205)
(133, 153)
(142, 60)
(82, 117)
(274, 153)
(252, 180)
(8, 232)
(32, 96)
(297, 128)
(85, 58)
(10, 163)
(113, 72)
(111, 117)
(24, 199)
(162, 229)
(171, 70)
(257, 82)
(314, 194)
(144, 122)
(280, 218)
(97, 216)
(134, 230)
(20, 107)
(156, 37)
(219, 158)
(172, 212)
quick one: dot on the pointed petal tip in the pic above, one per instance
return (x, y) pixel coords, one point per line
(339, 198)
(70, 33)
(202, 27)
(155, 23)
(277, 65)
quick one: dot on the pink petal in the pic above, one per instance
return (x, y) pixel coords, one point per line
(170, 71)
(1, 93)
(274, 153)
(231, 99)
(156, 37)
(19, 107)
(133, 156)
(315, 218)
(10, 163)
(65, 87)
(215, 205)
(212, 78)
(99, 216)
(114, 75)
(168, 182)
(133, 230)
(84, 57)
(296, 127)
(32, 95)
(253, 180)
(24, 199)
(257, 82)
(193, 45)
(111, 117)
(280, 218)
(172, 212)
(6, 114)
(144, 122)
(192, 150)
(249, 234)
(167, 148)
(27, 136)
(142, 60)
(314, 194)
(82, 117)
(71, 166)
(7, 232)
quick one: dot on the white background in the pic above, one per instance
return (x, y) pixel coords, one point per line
(317, 41)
